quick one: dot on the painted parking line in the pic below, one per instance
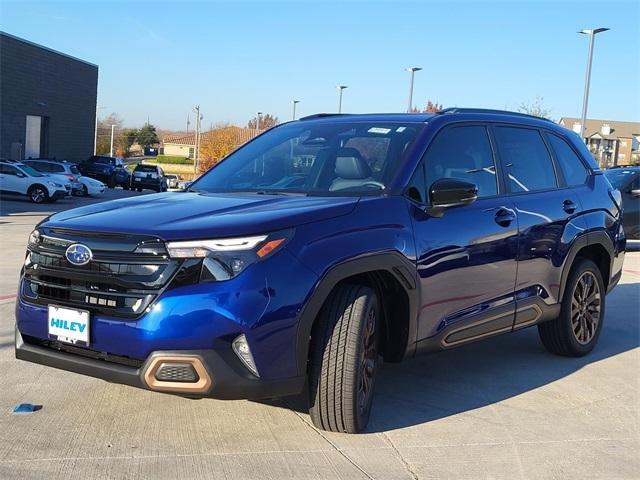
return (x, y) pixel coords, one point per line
(7, 297)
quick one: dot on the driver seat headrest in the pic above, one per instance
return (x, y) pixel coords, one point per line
(350, 165)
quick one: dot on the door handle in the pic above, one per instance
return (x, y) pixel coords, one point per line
(504, 216)
(569, 206)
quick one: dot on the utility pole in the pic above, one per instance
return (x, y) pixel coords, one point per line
(111, 149)
(295, 102)
(188, 122)
(196, 142)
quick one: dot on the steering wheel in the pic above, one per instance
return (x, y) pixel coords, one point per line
(373, 183)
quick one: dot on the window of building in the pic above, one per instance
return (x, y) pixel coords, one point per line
(572, 167)
(525, 159)
(191, 152)
(464, 153)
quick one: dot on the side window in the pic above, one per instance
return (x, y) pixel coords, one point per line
(56, 168)
(8, 170)
(463, 153)
(525, 159)
(572, 167)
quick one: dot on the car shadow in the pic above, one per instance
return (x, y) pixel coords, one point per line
(438, 385)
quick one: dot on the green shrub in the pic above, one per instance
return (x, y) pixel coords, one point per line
(171, 159)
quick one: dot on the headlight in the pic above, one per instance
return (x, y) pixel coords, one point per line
(54, 184)
(34, 238)
(225, 258)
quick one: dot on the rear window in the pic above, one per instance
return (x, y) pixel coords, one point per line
(107, 160)
(74, 170)
(146, 168)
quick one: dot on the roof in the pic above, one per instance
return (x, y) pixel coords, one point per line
(27, 42)
(594, 126)
(391, 117)
(241, 136)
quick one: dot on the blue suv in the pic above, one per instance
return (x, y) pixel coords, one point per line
(322, 246)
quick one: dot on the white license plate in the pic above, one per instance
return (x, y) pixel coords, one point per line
(137, 179)
(69, 325)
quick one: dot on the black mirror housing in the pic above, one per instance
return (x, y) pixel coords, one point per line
(452, 192)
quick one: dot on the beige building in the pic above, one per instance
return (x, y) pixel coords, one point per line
(611, 142)
(183, 145)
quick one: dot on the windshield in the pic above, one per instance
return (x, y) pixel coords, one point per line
(145, 168)
(619, 177)
(342, 158)
(31, 171)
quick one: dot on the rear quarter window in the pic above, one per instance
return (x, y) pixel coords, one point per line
(573, 170)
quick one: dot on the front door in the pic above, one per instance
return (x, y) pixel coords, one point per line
(33, 136)
(466, 259)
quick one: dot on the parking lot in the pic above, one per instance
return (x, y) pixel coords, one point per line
(500, 409)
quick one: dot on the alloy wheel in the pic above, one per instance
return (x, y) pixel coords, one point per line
(38, 195)
(368, 362)
(585, 308)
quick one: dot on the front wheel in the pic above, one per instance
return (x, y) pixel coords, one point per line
(38, 194)
(576, 331)
(344, 360)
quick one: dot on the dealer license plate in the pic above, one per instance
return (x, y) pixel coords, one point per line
(69, 325)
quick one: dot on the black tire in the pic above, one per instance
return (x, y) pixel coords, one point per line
(576, 331)
(344, 360)
(125, 186)
(38, 194)
(139, 189)
(111, 181)
(85, 191)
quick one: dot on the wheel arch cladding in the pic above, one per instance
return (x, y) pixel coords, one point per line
(595, 246)
(390, 275)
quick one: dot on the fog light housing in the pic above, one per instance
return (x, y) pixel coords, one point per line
(242, 350)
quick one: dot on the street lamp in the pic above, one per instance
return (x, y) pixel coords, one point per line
(111, 149)
(295, 102)
(340, 89)
(258, 122)
(413, 71)
(585, 99)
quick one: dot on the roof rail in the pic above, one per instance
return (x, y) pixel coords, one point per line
(491, 111)
(320, 115)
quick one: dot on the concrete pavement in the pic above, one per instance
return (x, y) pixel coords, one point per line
(499, 409)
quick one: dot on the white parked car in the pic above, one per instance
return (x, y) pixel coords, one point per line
(21, 179)
(91, 186)
(63, 172)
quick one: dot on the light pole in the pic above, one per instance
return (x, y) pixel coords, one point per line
(95, 133)
(196, 139)
(258, 122)
(585, 99)
(111, 149)
(340, 89)
(413, 71)
(295, 102)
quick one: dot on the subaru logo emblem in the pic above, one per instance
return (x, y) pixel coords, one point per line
(78, 254)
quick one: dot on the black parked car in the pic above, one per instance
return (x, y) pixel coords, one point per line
(148, 177)
(110, 170)
(627, 180)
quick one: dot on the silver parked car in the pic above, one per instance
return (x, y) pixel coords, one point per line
(65, 172)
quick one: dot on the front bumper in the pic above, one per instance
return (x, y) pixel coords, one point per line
(228, 379)
(58, 194)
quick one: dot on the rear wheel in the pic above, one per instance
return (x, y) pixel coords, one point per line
(85, 191)
(111, 181)
(576, 331)
(344, 360)
(38, 194)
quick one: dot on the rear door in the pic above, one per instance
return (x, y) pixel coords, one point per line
(10, 181)
(548, 216)
(466, 259)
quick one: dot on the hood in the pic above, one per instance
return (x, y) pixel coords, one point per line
(191, 215)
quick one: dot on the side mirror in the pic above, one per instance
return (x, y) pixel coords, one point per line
(449, 193)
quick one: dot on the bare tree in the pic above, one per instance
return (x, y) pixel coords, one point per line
(535, 108)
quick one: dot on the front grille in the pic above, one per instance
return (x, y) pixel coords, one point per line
(84, 352)
(118, 281)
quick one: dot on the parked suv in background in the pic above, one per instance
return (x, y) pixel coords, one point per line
(148, 177)
(18, 178)
(627, 180)
(64, 172)
(110, 170)
(408, 233)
